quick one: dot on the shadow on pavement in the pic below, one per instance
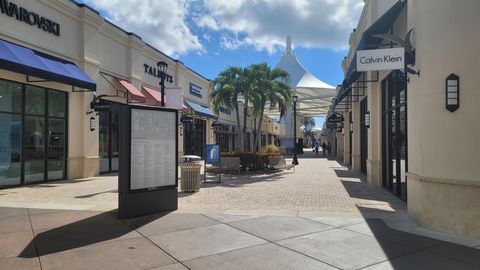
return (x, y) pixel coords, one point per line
(407, 251)
(95, 194)
(92, 230)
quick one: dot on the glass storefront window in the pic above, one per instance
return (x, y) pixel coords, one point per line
(56, 103)
(10, 149)
(56, 149)
(10, 97)
(34, 100)
(40, 152)
(34, 149)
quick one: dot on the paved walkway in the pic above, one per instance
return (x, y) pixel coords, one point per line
(319, 217)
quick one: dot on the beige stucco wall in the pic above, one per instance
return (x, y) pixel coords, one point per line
(443, 187)
(95, 46)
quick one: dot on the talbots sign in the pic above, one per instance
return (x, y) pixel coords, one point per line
(12, 10)
(382, 59)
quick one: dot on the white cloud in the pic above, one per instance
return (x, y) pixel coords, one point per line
(265, 24)
(161, 23)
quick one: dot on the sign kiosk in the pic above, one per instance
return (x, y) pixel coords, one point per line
(148, 175)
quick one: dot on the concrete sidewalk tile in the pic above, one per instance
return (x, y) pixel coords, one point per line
(15, 224)
(20, 264)
(262, 257)
(346, 252)
(276, 228)
(229, 218)
(171, 222)
(137, 253)
(423, 260)
(468, 254)
(338, 221)
(11, 212)
(175, 266)
(204, 241)
(55, 240)
(57, 219)
(14, 244)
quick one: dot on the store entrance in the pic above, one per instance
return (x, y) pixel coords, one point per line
(350, 144)
(108, 139)
(394, 134)
(363, 136)
(33, 134)
(194, 138)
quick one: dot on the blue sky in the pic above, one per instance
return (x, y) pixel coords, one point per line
(210, 35)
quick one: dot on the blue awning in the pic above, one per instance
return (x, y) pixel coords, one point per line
(380, 26)
(200, 109)
(23, 60)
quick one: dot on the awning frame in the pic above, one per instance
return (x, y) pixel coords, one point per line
(124, 94)
(368, 40)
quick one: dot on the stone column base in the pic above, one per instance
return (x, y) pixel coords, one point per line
(374, 172)
(447, 205)
(356, 160)
(82, 167)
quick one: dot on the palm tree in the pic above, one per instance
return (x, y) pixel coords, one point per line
(229, 85)
(270, 87)
(308, 124)
(226, 89)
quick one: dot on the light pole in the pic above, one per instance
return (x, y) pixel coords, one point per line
(162, 71)
(295, 160)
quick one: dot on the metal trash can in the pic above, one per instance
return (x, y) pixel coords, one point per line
(190, 172)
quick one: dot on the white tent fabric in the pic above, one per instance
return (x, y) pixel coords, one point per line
(314, 96)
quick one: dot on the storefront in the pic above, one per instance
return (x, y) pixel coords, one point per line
(422, 146)
(34, 114)
(49, 77)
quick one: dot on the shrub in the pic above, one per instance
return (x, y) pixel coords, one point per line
(256, 161)
(229, 154)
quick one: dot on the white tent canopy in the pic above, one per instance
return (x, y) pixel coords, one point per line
(314, 96)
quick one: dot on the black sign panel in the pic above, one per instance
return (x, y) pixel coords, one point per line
(100, 106)
(335, 118)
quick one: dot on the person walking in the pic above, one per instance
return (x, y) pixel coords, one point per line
(329, 148)
(324, 148)
(316, 148)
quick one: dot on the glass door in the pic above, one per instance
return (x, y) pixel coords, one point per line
(363, 136)
(108, 139)
(394, 134)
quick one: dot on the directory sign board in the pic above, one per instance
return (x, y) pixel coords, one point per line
(153, 149)
(213, 153)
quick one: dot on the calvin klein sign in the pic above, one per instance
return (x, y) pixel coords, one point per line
(12, 10)
(382, 59)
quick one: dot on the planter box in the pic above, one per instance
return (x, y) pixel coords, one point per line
(230, 163)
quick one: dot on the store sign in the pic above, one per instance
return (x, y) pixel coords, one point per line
(153, 71)
(29, 17)
(195, 90)
(224, 110)
(382, 59)
(335, 118)
(99, 106)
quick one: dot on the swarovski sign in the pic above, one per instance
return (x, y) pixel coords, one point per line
(381, 59)
(29, 17)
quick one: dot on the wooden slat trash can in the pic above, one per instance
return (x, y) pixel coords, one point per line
(190, 172)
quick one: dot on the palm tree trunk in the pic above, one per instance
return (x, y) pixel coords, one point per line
(259, 130)
(240, 129)
(245, 112)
